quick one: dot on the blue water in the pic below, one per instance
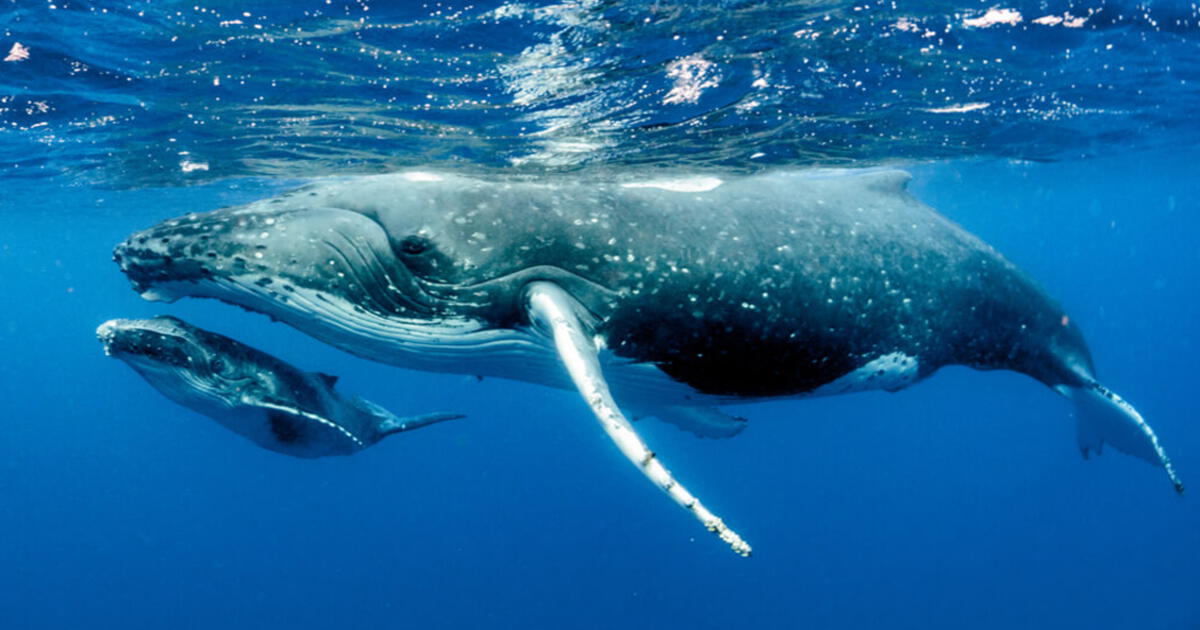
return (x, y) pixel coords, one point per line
(961, 502)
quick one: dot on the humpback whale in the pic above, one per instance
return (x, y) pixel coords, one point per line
(664, 298)
(271, 403)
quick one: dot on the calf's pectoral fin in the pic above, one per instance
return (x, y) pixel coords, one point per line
(1103, 417)
(561, 318)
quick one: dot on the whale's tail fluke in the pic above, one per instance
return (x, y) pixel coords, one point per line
(1103, 417)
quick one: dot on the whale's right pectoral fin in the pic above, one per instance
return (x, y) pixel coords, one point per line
(561, 318)
(1103, 417)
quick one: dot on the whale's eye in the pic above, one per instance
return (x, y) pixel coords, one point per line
(415, 245)
(422, 257)
(219, 366)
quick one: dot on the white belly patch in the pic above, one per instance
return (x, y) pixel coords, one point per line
(890, 372)
(645, 384)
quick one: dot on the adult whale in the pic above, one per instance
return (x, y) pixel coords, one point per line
(675, 295)
(269, 402)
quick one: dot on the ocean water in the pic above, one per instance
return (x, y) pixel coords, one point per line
(1063, 133)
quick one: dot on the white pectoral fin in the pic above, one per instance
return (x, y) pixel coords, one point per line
(559, 316)
(1103, 417)
(705, 422)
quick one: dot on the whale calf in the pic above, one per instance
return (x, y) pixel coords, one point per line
(250, 392)
(672, 296)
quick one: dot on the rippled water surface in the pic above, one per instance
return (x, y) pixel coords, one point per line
(163, 92)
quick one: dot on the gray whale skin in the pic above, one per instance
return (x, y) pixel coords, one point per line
(670, 296)
(269, 402)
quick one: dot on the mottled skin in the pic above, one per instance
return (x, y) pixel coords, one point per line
(768, 285)
(667, 299)
(250, 392)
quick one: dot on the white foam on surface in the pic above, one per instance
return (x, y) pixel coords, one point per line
(993, 17)
(692, 74)
(958, 109)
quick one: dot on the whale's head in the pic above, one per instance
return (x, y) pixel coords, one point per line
(320, 258)
(404, 262)
(187, 364)
(297, 246)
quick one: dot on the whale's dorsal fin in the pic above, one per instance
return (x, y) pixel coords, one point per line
(889, 180)
(558, 316)
(329, 379)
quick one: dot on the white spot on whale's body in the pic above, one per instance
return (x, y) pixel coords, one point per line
(683, 184)
(422, 176)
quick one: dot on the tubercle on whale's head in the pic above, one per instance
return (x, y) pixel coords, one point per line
(347, 257)
(267, 251)
(191, 248)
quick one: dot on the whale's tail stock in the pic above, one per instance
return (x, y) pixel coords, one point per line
(1103, 417)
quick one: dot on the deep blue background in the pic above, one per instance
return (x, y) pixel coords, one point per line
(959, 503)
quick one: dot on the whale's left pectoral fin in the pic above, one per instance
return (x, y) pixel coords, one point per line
(1103, 417)
(561, 318)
